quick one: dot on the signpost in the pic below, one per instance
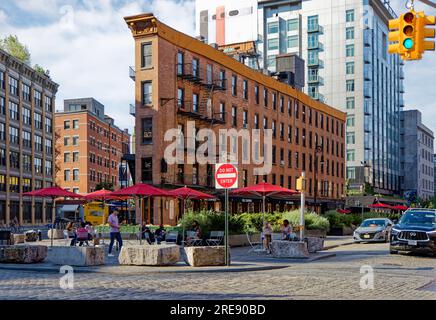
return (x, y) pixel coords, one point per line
(226, 177)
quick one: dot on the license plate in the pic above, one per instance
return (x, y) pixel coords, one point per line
(412, 242)
(366, 236)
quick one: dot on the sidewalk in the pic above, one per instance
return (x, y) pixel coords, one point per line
(242, 261)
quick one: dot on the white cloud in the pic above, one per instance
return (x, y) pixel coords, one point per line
(89, 47)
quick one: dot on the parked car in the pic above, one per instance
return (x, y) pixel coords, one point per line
(415, 232)
(373, 230)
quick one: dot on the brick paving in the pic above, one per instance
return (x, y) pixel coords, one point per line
(395, 277)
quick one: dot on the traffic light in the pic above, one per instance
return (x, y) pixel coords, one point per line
(301, 184)
(423, 32)
(408, 33)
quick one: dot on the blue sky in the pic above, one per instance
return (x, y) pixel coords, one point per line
(88, 48)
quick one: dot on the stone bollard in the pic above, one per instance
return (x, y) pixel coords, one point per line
(149, 255)
(204, 256)
(289, 249)
(22, 254)
(77, 256)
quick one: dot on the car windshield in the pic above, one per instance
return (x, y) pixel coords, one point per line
(373, 223)
(419, 218)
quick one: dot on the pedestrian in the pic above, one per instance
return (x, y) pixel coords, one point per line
(160, 234)
(114, 231)
(286, 230)
(71, 233)
(267, 232)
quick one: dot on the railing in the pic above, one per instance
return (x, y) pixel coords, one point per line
(132, 73)
(315, 28)
(315, 63)
(200, 76)
(315, 79)
(317, 45)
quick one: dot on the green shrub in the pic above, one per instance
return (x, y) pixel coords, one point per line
(313, 221)
(212, 221)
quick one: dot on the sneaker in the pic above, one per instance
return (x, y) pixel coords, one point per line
(110, 255)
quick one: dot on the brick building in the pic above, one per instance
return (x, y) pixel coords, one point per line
(180, 79)
(89, 146)
(27, 98)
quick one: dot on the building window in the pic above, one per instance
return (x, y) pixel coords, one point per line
(67, 141)
(245, 119)
(293, 42)
(3, 131)
(48, 125)
(27, 162)
(2, 80)
(351, 155)
(25, 89)
(38, 165)
(265, 97)
(66, 124)
(349, 15)
(48, 146)
(2, 106)
(312, 41)
(273, 44)
(147, 130)
(245, 89)
(234, 116)
(75, 157)
(2, 157)
(195, 101)
(181, 98)
(13, 111)
(196, 68)
(38, 121)
(38, 143)
(146, 55)
(13, 86)
(256, 121)
(349, 48)
(14, 184)
(273, 128)
(350, 120)
(289, 134)
(222, 111)
(66, 157)
(273, 27)
(349, 32)
(223, 79)
(350, 67)
(146, 93)
(312, 23)
(209, 74)
(351, 138)
(26, 116)
(350, 103)
(37, 98)
(48, 168)
(265, 123)
(75, 124)
(75, 174)
(14, 160)
(48, 102)
(234, 85)
(351, 173)
(293, 24)
(147, 169)
(13, 135)
(180, 63)
(350, 85)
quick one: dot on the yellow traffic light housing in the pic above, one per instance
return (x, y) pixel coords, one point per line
(301, 184)
(423, 32)
(408, 33)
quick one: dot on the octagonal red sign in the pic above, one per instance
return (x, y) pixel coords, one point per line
(226, 176)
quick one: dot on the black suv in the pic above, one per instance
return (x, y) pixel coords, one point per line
(415, 232)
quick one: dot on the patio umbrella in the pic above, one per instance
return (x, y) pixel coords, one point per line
(141, 190)
(53, 193)
(101, 195)
(344, 211)
(264, 190)
(380, 206)
(188, 193)
(400, 208)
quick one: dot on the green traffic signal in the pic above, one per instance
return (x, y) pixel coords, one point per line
(408, 43)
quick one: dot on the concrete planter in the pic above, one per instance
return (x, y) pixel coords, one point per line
(315, 233)
(289, 249)
(57, 234)
(315, 244)
(22, 254)
(149, 255)
(240, 240)
(77, 256)
(204, 256)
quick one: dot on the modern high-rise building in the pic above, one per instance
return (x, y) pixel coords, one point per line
(27, 99)
(434, 163)
(344, 44)
(417, 161)
(89, 146)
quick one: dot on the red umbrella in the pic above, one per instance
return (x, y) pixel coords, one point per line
(400, 208)
(188, 193)
(264, 190)
(52, 192)
(102, 195)
(380, 206)
(344, 211)
(141, 190)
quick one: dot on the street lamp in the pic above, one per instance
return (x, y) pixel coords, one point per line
(318, 149)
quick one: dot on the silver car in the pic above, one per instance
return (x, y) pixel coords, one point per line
(373, 230)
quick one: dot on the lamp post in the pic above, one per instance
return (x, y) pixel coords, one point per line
(318, 149)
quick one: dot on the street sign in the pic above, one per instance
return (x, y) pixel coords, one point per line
(226, 176)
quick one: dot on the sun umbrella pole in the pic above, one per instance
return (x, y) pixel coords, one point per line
(183, 224)
(263, 210)
(53, 217)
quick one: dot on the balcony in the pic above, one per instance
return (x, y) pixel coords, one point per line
(315, 63)
(186, 108)
(132, 73)
(200, 77)
(316, 46)
(315, 79)
(316, 96)
(132, 110)
(311, 28)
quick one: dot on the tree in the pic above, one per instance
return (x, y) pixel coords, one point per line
(14, 47)
(40, 69)
(104, 185)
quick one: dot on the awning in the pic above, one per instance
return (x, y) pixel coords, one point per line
(69, 207)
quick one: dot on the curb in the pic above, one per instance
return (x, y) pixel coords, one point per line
(337, 245)
(55, 269)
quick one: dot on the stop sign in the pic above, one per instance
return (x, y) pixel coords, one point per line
(226, 176)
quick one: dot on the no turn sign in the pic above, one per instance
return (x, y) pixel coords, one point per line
(226, 176)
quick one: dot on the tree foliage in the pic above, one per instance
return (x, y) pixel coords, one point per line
(104, 185)
(14, 47)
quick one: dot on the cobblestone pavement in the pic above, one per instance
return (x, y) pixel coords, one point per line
(395, 277)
